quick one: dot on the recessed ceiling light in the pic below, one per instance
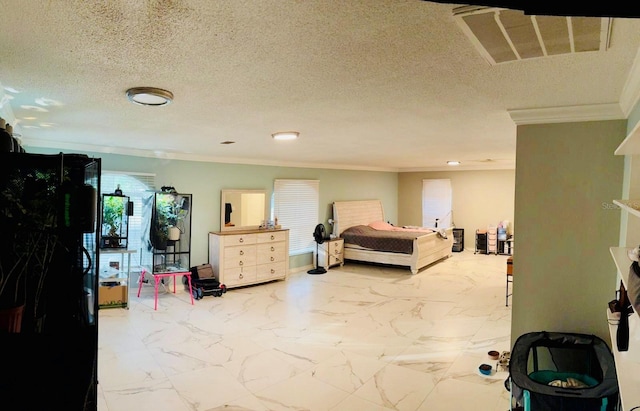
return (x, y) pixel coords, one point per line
(285, 135)
(453, 163)
(149, 96)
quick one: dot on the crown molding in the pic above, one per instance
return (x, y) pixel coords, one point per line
(631, 91)
(510, 165)
(614, 111)
(568, 114)
(168, 155)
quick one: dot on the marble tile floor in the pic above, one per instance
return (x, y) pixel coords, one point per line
(360, 337)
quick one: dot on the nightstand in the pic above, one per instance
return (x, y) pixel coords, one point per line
(331, 253)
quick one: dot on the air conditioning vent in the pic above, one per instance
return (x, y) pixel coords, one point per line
(503, 35)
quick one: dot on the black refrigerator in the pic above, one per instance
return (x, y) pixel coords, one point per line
(48, 281)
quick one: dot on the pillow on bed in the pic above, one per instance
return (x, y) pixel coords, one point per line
(381, 225)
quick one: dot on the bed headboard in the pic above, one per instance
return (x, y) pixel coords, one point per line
(350, 213)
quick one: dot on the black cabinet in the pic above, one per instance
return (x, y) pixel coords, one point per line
(48, 281)
(167, 233)
(481, 242)
(116, 209)
(458, 240)
(505, 247)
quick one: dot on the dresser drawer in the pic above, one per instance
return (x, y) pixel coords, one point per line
(271, 271)
(239, 239)
(335, 259)
(234, 277)
(239, 256)
(335, 247)
(271, 236)
(271, 253)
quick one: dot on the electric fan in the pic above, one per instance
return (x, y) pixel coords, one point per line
(319, 235)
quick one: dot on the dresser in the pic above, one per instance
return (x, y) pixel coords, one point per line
(331, 253)
(242, 258)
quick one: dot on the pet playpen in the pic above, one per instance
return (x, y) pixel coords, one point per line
(562, 372)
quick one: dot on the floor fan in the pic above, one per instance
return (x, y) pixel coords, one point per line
(319, 235)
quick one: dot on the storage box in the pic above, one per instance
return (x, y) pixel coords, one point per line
(114, 296)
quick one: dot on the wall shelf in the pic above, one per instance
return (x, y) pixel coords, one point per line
(631, 144)
(627, 362)
(622, 261)
(632, 206)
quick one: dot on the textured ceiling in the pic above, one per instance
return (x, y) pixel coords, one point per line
(377, 84)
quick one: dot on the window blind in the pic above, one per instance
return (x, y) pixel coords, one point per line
(436, 203)
(296, 205)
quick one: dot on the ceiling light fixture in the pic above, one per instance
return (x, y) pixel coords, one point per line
(285, 135)
(149, 96)
(453, 163)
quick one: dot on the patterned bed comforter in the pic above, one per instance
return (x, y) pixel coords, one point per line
(381, 240)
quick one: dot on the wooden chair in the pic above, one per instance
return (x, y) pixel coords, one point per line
(509, 280)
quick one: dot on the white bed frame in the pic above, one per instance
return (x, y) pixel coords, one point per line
(427, 249)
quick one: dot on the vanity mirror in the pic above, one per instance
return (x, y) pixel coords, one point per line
(242, 209)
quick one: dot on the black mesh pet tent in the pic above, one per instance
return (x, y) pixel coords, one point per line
(562, 372)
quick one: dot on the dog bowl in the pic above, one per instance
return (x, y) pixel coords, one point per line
(485, 369)
(493, 355)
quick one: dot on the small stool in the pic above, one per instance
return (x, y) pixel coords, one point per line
(509, 279)
(159, 276)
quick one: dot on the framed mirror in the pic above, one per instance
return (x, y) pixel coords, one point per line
(242, 209)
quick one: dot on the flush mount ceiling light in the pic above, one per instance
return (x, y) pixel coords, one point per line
(149, 96)
(285, 135)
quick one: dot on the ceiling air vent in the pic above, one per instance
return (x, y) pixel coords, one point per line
(503, 35)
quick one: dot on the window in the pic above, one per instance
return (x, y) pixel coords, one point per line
(133, 185)
(436, 203)
(296, 205)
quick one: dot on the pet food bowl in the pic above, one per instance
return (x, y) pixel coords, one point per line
(485, 369)
(493, 355)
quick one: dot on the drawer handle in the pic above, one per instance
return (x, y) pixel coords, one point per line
(241, 276)
(273, 271)
(241, 240)
(241, 252)
(273, 248)
(272, 258)
(273, 237)
(241, 263)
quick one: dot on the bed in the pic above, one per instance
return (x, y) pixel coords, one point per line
(420, 247)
